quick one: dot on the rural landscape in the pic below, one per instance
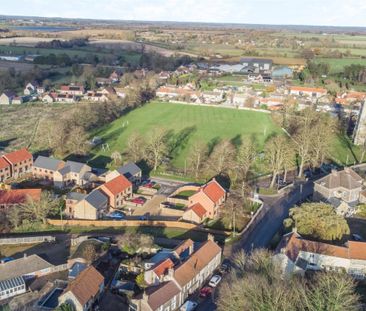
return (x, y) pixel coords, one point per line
(177, 165)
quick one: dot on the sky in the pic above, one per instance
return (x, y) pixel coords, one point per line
(294, 12)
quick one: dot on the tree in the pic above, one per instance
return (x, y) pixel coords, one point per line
(197, 158)
(65, 307)
(276, 151)
(140, 280)
(156, 148)
(39, 210)
(135, 147)
(14, 217)
(221, 158)
(245, 158)
(319, 220)
(89, 252)
(116, 157)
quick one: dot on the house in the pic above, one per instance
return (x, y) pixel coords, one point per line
(310, 92)
(345, 185)
(93, 206)
(209, 97)
(13, 197)
(96, 97)
(65, 98)
(7, 97)
(121, 92)
(256, 65)
(15, 273)
(296, 255)
(118, 190)
(49, 97)
(72, 198)
(84, 290)
(40, 90)
(45, 167)
(73, 173)
(76, 90)
(5, 170)
(18, 100)
(173, 279)
(30, 88)
(195, 213)
(210, 197)
(130, 170)
(21, 162)
(164, 75)
(103, 81)
(12, 287)
(108, 91)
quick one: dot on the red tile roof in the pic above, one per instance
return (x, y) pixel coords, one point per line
(308, 89)
(162, 267)
(86, 285)
(19, 196)
(214, 191)
(357, 250)
(3, 163)
(198, 209)
(18, 156)
(117, 185)
(183, 246)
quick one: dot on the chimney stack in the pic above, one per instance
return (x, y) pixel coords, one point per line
(210, 237)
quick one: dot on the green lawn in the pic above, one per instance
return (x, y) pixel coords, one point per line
(337, 64)
(188, 124)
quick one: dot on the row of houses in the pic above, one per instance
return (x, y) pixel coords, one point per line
(15, 164)
(177, 274)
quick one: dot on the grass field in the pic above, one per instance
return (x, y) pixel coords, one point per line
(337, 64)
(194, 123)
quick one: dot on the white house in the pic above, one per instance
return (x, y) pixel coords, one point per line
(297, 255)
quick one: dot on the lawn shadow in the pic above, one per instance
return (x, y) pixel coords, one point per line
(177, 142)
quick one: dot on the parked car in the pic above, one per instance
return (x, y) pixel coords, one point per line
(357, 237)
(139, 200)
(189, 305)
(117, 215)
(215, 280)
(6, 259)
(206, 291)
(225, 266)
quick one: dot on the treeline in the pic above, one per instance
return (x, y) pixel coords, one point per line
(59, 44)
(356, 73)
(12, 79)
(157, 62)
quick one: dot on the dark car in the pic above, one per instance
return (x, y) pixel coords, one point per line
(225, 266)
(206, 291)
(139, 200)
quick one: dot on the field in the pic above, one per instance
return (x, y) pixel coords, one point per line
(337, 64)
(194, 123)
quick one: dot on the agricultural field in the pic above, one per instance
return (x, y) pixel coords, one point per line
(206, 124)
(337, 64)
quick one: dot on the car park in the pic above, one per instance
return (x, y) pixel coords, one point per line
(215, 280)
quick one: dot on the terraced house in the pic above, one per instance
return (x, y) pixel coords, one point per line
(19, 162)
(174, 278)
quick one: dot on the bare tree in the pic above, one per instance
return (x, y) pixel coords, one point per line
(156, 148)
(135, 147)
(197, 158)
(221, 158)
(116, 157)
(245, 158)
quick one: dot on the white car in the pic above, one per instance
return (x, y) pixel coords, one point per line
(215, 280)
(189, 305)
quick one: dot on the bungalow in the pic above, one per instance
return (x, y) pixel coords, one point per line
(45, 167)
(14, 197)
(307, 91)
(93, 206)
(7, 97)
(210, 197)
(21, 162)
(71, 174)
(296, 255)
(84, 290)
(65, 98)
(118, 190)
(96, 96)
(76, 90)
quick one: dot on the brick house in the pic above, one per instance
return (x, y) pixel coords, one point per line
(5, 170)
(307, 91)
(72, 198)
(195, 213)
(13, 197)
(72, 173)
(75, 90)
(117, 190)
(93, 206)
(21, 162)
(210, 197)
(45, 167)
(84, 290)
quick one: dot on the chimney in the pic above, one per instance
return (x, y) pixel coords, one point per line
(347, 169)
(334, 172)
(294, 229)
(210, 237)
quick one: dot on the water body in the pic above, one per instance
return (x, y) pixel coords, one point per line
(43, 28)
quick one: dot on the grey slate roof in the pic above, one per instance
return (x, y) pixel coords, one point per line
(96, 198)
(11, 283)
(129, 169)
(77, 196)
(72, 166)
(22, 266)
(47, 163)
(347, 179)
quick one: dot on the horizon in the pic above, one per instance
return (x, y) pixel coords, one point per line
(259, 12)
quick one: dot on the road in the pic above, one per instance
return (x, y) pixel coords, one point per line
(275, 210)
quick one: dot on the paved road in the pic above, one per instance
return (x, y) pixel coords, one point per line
(275, 210)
